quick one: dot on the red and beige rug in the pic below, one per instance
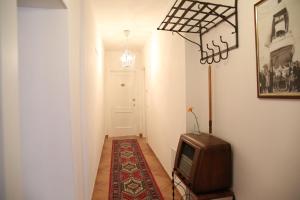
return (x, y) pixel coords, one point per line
(130, 176)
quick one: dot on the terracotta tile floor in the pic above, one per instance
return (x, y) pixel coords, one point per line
(163, 181)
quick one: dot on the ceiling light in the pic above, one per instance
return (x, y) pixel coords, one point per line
(127, 58)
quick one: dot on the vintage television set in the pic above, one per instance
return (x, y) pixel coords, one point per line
(204, 163)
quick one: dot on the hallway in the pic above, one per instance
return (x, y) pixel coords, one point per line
(101, 189)
(70, 74)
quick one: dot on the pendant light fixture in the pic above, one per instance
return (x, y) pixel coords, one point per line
(127, 58)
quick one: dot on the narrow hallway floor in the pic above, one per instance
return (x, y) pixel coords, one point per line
(162, 179)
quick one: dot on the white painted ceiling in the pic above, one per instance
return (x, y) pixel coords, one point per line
(141, 17)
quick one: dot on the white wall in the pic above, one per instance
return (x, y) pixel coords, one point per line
(57, 155)
(165, 96)
(92, 96)
(113, 62)
(10, 150)
(74, 21)
(196, 97)
(61, 62)
(264, 133)
(45, 104)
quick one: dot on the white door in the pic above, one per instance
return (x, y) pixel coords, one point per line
(122, 101)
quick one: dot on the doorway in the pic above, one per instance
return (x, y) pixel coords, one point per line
(124, 97)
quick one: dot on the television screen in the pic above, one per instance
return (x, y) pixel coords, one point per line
(186, 159)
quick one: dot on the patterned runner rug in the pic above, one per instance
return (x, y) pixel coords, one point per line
(130, 176)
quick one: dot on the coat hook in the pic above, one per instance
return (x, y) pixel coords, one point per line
(203, 59)
(224, 42)
(212, 56)
(219, 52)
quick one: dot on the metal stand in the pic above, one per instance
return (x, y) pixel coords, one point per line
(188, 195)
(194, 16)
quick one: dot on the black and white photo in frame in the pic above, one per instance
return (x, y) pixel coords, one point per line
(278, 48)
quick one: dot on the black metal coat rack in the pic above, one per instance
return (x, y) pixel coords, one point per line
(194, 16)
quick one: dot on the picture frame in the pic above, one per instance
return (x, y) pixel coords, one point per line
(277, 48)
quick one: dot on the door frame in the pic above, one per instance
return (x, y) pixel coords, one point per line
(140, 98)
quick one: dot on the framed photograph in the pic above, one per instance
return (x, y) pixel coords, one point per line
(278, 48)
